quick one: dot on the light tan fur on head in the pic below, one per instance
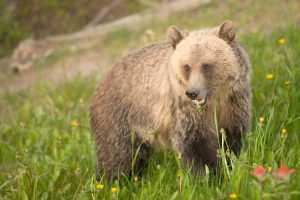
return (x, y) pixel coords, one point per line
(206, 47)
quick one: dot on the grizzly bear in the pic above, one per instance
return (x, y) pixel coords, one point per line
(177, 95)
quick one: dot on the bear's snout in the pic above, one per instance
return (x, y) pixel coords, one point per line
(192, 94)
(197, 96)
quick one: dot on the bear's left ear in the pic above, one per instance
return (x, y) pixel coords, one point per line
(227, 31)
(174, 36)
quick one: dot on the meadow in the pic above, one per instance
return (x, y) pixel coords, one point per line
(47, 151)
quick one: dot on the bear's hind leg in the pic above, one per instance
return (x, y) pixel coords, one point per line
(120, 155)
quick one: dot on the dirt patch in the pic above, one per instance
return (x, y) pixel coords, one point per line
(85, 64)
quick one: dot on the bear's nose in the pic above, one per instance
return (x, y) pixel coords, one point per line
(192, 94)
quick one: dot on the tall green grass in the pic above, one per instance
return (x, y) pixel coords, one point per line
(44, 156)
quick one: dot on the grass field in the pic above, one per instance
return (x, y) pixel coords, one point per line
(47, 152)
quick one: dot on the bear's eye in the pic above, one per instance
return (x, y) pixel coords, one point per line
(187, 69)
(206, 67)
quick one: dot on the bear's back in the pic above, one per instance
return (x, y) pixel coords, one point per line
(140, 72)
(143, 59)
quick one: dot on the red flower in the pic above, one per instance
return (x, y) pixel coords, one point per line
(283, 172)
(259, 173)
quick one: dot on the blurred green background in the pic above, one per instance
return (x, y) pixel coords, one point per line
(20, 19)
(46, 148)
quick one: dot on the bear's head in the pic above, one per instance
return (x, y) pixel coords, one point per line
(203, 62)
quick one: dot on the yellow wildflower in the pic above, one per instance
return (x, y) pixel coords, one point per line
(261, 120)
(269, 169)
(74, 123)
(113, 189)
(283, 132)
(281, 41)
(287, 82)
(136, 179)
(100, 186)
(269, 76)
(233, 196)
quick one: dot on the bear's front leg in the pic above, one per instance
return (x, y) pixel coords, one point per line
(236, 119)
(197, 151)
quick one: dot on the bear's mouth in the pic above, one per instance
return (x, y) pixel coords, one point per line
(200, 101)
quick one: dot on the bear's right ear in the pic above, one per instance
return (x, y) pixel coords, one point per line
(227, 31)
(174, 36)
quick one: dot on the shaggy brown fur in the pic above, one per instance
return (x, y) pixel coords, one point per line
(143, 103)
